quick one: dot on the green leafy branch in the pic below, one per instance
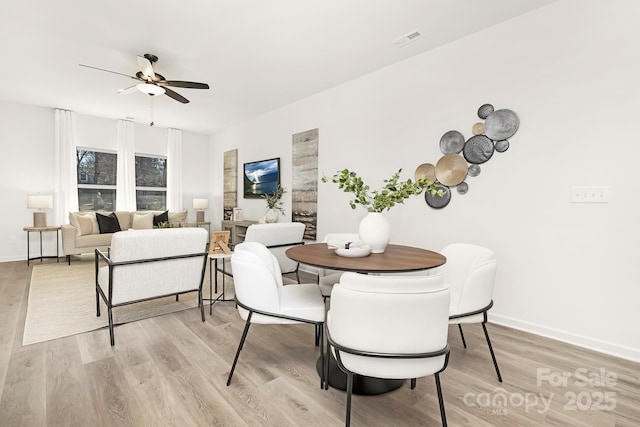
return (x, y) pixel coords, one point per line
(393, 192)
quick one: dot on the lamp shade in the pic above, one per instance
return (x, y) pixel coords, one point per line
(150, 89)
(39, 201)
(200, 204)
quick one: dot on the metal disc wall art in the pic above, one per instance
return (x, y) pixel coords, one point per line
(501, 146)
(438, 202)
(452, 169)
(478, 128)
(478, 149)
(462, 188)
(474, 170)
(451, 142)
(425, 171)
(501, 124)
(485, 110)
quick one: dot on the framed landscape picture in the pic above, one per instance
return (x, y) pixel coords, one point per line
(261, 177)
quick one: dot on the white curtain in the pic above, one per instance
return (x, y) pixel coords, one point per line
(174, 170)
(126, 183)
(66, 181)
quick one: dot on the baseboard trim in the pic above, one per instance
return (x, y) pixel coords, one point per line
(13, 258)
(600, 346)
(612, 349)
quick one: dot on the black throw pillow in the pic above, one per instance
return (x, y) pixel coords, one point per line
(108, 223)
(163, 217)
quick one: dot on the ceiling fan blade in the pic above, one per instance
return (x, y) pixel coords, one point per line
(188, 85)
(176, 96)
(109, 71)
(127, 91)
(146, 67)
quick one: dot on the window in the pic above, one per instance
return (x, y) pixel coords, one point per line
(151, 182)
(96, 179)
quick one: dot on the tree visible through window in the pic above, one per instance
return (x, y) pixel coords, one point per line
(151, 182)
(97, 176)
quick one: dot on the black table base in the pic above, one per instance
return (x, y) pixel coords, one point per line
(362, 385)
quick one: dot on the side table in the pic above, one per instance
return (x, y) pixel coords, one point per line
(199, 224)
(213, 272)
(43, 230)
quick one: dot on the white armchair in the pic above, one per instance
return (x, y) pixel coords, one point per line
(148, 264)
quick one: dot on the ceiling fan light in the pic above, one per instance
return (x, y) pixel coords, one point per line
(150, 89)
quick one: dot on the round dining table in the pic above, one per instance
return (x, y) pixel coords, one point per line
(395, 259)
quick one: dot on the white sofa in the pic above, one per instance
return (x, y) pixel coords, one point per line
(82, 234)
(149, 264)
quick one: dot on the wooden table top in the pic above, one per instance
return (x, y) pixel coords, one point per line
(395, 259)
(46, 228)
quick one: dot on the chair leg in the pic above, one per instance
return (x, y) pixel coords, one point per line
(111, 327)
(326, 366)
(464, 343)
(322, 355)
(97, 302)
(347, 422)
(318, 334)
(493, 356)
(201, 303)
(244, 336)
(443, 416)
(413, 383)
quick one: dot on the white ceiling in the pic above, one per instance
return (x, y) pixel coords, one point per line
(256, 55)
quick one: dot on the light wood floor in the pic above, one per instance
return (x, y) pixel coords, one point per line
(171, 370)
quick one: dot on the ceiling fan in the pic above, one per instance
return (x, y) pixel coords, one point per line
(153, 83)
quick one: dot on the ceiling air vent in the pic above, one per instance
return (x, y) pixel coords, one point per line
(407, 38)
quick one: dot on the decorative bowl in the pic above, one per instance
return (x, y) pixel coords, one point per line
(354, 252)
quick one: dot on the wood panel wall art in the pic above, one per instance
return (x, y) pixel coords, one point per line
(304, 182)
(230, 185)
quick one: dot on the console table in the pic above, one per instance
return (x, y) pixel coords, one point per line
(237, 229)
(43, 230)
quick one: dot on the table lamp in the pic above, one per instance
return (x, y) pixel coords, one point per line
(200, 205)
(40, 202)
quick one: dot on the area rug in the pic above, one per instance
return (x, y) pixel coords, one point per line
(62, 302)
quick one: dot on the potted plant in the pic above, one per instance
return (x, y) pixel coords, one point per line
(274, 204)
(374, 228)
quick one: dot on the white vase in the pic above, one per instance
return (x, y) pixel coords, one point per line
(272, 215)
(375, 231)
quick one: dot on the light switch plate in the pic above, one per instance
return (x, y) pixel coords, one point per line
(590, 194)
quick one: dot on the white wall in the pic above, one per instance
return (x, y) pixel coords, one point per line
(27, 135)
(570, 72)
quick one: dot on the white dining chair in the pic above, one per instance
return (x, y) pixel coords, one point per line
(327, 278)
(470, 272)
(392, 327)
(277, 237)
(262, 298)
